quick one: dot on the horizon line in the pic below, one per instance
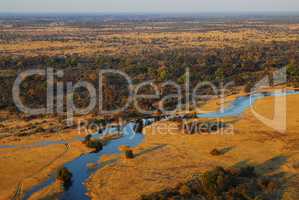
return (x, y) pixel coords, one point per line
(274, 12)
(156, 12)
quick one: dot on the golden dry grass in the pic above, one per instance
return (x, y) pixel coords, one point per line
(33, 165)
(134, 42)
(166, 159)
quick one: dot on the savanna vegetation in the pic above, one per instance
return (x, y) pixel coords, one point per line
(223, 184)
(243, 65)
(241, 50)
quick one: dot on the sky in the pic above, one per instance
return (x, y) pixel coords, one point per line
(194, 6)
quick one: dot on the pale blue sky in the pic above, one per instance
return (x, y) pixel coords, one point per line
(147, 5)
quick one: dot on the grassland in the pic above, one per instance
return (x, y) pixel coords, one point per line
(27, 165)
(136, 42)
(164, 160)
(129, 37)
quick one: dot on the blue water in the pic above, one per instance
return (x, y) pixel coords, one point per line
(80, 170)
(242, 103)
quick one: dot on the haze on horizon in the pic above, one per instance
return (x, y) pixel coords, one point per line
(149, 6)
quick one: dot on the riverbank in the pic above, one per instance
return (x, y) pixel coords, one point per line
(30, 166)
(163, 160)
(29, 160)
(82, 167)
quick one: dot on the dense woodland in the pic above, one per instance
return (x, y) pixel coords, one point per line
(243, 66)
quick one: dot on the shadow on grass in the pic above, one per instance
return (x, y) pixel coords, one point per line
(273, 164)
(271, 169)
(269, 166)
(226, 150)
(241, 181)
(145, 151)
(151, 149)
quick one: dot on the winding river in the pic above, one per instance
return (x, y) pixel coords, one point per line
(79, 167)
(239, 105)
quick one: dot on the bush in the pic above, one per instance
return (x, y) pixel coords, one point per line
(65, 176)
(95, 144)
(221, 184)
(87, 138)
(248, 172)
(248, 87)
(138, 126)
(129, 154)
(185, 191)
(215, 181)
(268, 185)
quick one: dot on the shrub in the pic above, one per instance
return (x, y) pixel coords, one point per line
(221, 184)
(87, 138)
(65, 176)
(129, 154)
(268, 185)
(248, 87)
(138, 126)
(215, 181)
(184, 190)
(272, 186)
(95, 144)
(248, 171)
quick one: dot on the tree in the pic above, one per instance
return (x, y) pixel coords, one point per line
(65, 176)
(162, 73)
(292, 73)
